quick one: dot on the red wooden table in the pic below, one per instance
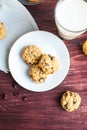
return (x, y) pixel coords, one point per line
(25, 110)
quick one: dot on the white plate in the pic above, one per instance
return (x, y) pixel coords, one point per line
(49, 44)
(17, 21)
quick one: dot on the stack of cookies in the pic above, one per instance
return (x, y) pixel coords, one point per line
(40, 65)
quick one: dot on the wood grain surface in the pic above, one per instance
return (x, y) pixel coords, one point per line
(25, 110)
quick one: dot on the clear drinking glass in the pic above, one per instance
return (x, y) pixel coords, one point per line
(71, 18)
(30, 2)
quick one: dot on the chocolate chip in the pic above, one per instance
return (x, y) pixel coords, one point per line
(14, 85)
(30, 63)
(1, 23)
(16, 93)
(52, 57)
(70, 94)
(74, 102)
(46, 64)
(66, 106)
(4, 96)
(65, 95)
(49, 56)
(24, 98)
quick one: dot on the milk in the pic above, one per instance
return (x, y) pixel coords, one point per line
(71, 18)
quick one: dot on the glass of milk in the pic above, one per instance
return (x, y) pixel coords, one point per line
(71, 18)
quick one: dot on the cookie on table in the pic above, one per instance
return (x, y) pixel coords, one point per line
(84, 47)
(36, 74)
(2, 31)
(48, 63)
(70, 101)
(31, 54)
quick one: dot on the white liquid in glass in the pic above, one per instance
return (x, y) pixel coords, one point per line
(72, 15)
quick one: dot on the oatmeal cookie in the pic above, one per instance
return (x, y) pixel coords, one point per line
(84, 47)
(70, 101)
(48, 63)
(2, 31)
(36, 74)
(31, 54)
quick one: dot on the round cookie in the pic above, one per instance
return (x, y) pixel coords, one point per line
(2, 31)
(36, 74)
(31, 54)
(84, 47)
(48, 63)
(70, 101)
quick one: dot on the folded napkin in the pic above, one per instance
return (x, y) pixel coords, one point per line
(17, 21)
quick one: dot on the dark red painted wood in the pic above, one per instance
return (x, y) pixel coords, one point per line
(25, 110)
